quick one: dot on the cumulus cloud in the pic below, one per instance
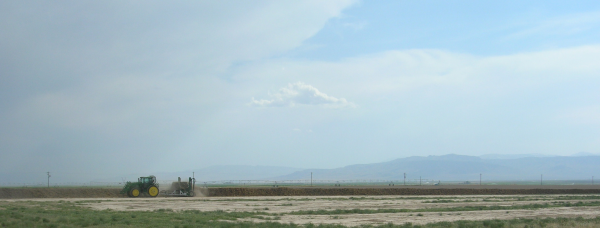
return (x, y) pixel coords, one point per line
(300, 93)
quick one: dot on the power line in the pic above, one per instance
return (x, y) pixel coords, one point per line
(48, 178)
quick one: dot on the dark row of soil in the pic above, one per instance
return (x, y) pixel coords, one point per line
(388, 191)
(23, 193)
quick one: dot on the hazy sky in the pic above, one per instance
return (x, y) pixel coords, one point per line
(90, 88)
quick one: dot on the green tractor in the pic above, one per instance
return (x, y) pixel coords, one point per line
(146, 185)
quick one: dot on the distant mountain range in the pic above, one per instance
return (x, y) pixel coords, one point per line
(513, 156)
(454, 167)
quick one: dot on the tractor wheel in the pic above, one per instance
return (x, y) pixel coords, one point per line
(192, 194)
(134, 192)
(153, 191)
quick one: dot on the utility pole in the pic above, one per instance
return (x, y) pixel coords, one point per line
(311, 179)
(542, 179)
(592, 180)
(48, 178)
(420, 181)
(480, 179)
(404, 178)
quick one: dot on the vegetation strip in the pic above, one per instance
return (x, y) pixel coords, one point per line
(445, 209)
(516, 223)
(508, 199)
(67, 214)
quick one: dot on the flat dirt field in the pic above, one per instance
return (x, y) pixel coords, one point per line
(348, 206)
(87, 192)
(360, 210)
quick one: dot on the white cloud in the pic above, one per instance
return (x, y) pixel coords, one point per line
(301, 94)
(390, 73)
(564, 25)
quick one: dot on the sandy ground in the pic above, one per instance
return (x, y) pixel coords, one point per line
(280, 206)
(429, 217)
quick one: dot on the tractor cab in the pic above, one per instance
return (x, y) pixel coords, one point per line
(147, 180)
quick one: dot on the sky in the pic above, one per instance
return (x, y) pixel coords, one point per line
(101, 88)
